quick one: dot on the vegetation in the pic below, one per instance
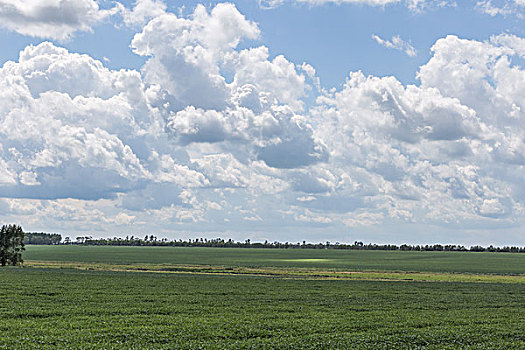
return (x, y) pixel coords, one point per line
(75, 309)
(285, 272)
(151, 240)
(42, 238)
(93, 297)
(347, 260)
(11, 245)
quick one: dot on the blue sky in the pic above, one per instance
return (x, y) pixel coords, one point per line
(305, 32)
(384, 121)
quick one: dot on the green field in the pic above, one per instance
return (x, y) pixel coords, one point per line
(352, 260)
(79, 297)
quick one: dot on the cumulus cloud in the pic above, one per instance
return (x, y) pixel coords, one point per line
(278, 78)
(211, 134)
(258, 107)
(397, 44)
(280, 138)
(72, 128)
(186, 53)
(479, 74)
(142, 12)
(53, 19)
(449, 149)
(513, 42)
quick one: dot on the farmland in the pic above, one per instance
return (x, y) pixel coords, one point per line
(164, 298)
(365, 260)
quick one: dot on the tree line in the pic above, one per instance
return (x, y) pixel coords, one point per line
(151, 240)
(42, 238)
(13, 240)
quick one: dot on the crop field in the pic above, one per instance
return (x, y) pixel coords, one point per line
(351, 260)
(80, 297)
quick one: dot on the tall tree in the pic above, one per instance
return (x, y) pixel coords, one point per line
(11, 245)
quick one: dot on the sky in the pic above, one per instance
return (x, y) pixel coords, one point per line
(385, 121)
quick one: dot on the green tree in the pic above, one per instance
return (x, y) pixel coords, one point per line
(11, 245)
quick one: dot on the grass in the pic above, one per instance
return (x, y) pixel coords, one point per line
(203, 298)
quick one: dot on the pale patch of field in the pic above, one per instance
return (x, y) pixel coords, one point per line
(294, 273)
(306, 260)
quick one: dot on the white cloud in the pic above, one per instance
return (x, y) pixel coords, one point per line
(413, 5)
(277, 77)
(72, 128)
(397, 44)
(480, 75)
(53, 19)
(270, 4)
(181, 144)
(124, 219)
(492, 208)
(7, 176)
(142, 12)
(363, 219)
(446, 151)
(364, 2)
(502, 8)
(186, 53)
(310, 217)
(257, 108)
(513, 42)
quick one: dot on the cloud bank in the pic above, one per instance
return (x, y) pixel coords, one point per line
(214, 136)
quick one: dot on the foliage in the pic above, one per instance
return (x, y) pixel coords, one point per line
(42, 238)
(11, 245)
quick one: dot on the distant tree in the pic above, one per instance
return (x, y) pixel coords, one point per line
(42, 238)
(11, 245)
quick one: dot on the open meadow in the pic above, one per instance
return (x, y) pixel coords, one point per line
(86, 297)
